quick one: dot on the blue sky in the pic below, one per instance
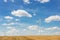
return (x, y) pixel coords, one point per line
(29, 17)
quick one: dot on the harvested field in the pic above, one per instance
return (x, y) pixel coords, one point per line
(29, 37)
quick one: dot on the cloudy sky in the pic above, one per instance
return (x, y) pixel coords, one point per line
(29, 17)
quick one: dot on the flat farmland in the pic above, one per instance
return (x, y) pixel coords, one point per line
(29, 37)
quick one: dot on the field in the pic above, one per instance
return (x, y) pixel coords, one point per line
(29, 37)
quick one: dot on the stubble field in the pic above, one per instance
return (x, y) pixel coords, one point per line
(29, 37)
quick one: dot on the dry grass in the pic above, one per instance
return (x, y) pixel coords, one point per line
(29, 37)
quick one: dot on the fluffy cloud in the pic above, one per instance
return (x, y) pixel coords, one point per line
(12, 0)
(52, 18)
(53, 28)
(16, 19)
(31, 30)
(33, 27)
(45, 31)
(57, 33)
(43, 1)
(21, 13)
(9, 0)
(5, 0)
(26, 1)
(8, 17)
(12, 31)
(6, 24)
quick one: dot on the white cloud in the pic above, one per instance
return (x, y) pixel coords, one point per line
(31, 30)
(52, 18)
(43, 1)
(57, 33)
(9, 0)
(53, 28)
(5, 0)
(33, 27)
(40, 31)
(49, 31)
(26, 1)
(8, 17)
(16, 19)
(6, 24)
(12, 0)
(2, 34)
(10, 27)
(12, 31)
(21, 13)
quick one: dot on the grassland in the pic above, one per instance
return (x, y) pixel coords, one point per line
(29, 37)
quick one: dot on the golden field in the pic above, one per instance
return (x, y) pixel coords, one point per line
(29, 37)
